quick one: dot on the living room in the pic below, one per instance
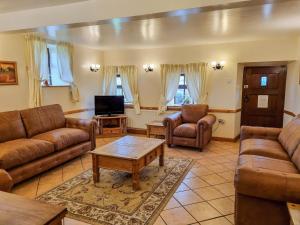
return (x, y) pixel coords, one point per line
(223, 39)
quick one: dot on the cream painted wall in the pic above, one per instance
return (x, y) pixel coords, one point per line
(14, 96)
(12, 47)
(224, 86)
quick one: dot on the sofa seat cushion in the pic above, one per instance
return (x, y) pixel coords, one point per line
(64, 137)
(188, 130)
(263, 147)
(267, 178)
(20, 151)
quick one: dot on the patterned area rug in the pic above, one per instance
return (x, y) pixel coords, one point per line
(112, 201)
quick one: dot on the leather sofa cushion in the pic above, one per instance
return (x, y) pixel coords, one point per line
(290, 136)
(296, 157)
(263, 147)
(267, 178)
(188, 130)
(193, 113)
(20, 151)
(11, 126)
(42, 119)
(64, 137)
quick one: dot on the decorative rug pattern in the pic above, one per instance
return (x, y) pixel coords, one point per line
(112, 201)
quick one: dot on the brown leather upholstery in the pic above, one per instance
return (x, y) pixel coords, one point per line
(188, 130)
(33, 168)
(267, 175)
(18, 152)
(290, 136)
(260, 132)
(296, 157)
(192, 127)
(22, 158)
(263, 147)
(11, 126)
(64, 137)
(6, 182)
(42, 119)
(193, 113)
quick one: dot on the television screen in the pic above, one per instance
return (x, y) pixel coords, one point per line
(108, 105)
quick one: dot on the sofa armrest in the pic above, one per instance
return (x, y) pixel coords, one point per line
(259, 132)
(206, 121)
(260, 182)
(173, 120)
(6, 181)
(84, 124)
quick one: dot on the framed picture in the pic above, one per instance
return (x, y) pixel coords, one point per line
(8, 73)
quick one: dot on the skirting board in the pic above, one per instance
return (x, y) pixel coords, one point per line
(132, 130)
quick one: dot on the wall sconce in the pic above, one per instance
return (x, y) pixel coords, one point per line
(148, 67)
(94, 67)
(218, 65)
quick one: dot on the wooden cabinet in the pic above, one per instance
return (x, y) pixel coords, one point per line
(111, 126)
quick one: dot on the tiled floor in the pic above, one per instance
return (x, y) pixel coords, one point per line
(206, 195)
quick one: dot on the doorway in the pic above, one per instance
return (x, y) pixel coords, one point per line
(263, 96)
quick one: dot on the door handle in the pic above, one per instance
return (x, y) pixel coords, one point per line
(246, 99)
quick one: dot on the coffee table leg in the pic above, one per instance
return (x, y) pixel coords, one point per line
(162, 154)
(96, 173)
(135, 176)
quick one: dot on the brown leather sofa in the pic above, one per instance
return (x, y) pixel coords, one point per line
(35, 140)
(267, 175)
(191, 127)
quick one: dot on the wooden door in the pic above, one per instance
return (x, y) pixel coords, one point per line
(263, 96)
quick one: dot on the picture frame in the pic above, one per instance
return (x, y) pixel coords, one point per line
(8, 73)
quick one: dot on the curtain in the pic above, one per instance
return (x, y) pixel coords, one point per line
(129, 84)
(196, 76)
(109, 82)
(65, 68)
(170, 75)
(36, 58)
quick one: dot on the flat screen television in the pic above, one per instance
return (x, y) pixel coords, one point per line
(109, 105)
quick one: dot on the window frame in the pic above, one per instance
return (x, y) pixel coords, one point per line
(50, 81)
(183, 87)
(121, 87)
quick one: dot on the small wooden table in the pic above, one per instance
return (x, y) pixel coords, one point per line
(294, 210)
(130, 154)
(156, 128)
(17, 210)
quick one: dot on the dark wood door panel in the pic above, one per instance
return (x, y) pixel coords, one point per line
(263, 96)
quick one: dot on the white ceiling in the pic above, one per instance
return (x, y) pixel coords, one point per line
(230, 25)
(17, 5)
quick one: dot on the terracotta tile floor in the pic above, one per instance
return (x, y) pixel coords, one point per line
(205, 196)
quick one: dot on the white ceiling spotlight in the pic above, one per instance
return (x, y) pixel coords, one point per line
(218, 65)
(148, 67)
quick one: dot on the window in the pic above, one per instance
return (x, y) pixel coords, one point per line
(182, 95)
(54, 77)
(264, 81)
(120, 91)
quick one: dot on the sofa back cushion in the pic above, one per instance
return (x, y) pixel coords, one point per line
(193, 113)
(289, 137)
(42, 119)
(11, 126)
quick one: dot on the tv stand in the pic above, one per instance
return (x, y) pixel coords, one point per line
(111, 126)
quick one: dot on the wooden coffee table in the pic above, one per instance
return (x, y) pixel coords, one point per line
(17, 210)
(130, 154)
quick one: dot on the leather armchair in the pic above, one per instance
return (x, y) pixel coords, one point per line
(191, 127)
